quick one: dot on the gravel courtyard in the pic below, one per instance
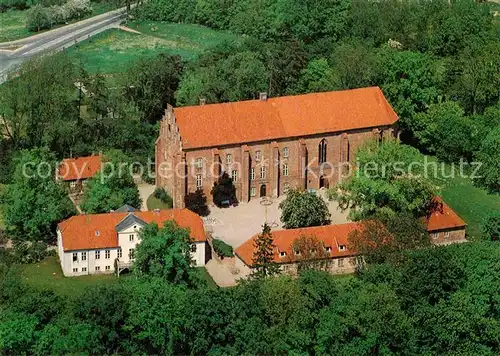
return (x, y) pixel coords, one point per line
(235, 225)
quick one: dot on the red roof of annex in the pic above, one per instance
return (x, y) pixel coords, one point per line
(79, 232)
(334, 236)
(241, 122)
(79, 167)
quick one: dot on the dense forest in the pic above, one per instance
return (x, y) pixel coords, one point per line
(438, 301)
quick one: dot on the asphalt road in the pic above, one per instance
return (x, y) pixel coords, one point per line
(13, 53)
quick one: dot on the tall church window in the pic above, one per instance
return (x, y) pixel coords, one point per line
(322, 151)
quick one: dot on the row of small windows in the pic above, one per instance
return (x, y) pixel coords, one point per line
(327, 249)
(97, 268)
(107, 254)
(229, 157)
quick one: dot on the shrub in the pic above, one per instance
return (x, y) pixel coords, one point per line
(197, 203)
(491, 226)
(40, 17)
(161, 194)
(222, 249)
(30, 252)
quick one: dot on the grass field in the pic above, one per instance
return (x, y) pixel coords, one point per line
(154, 203)
(48, 274)
(13, 25)
(114, 51)
(468, 201)
(13, 21)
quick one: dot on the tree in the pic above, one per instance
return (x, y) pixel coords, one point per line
(489, 157)
(309, 253)
(409, 80)
(224, 191)
(165, 253)
(491, 226)
(385, 237)
(151, 83)
(303, 209)
(34, 203)
(113, 187)
(263, 264)
(389, 177)
(197, 202)
(353, 65)
(445, 131)
(317, 76)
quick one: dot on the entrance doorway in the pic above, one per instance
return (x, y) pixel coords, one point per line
(323, 183)
(262, 190)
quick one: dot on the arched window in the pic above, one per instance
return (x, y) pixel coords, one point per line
(322, 151)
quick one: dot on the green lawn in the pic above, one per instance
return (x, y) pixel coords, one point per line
(12, 22)
(207, 277)
(114, 51)
(468, 201)
(48, 274)
(13, 25)
(154, 203)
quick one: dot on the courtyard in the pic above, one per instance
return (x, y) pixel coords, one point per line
(235, 225)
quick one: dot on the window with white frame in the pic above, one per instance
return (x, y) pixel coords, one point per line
(75, 256)
(72, 184)
(341, 262)
(84, 256)
(252, 173)
(262, 172)
(258, 155)
(107, 268)
(97, 268)
(75, 270)
(97, 254)
(229, 158)
(199, 163)
(119, 253)
(286, 187)
(131, 253)
(199, 181)
(253, 191)
(446, 234)
(234, 175)
(107, 254)
(131, 237)
(435, 235)
(328, 249)
(342, 247)
(285, 152)
(285, 170)
(84, 269)
(282, 253)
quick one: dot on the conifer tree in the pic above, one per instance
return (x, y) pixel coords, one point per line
(263, 264)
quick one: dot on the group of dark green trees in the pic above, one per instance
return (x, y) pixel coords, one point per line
(434, 301)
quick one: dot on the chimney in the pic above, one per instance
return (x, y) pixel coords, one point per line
(203, 101)
(263, 96)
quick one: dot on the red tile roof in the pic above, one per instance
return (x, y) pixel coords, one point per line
(287, 116)
(331, 235)
(443, 217)
(79, 168)
(79, 232)
(334, 235)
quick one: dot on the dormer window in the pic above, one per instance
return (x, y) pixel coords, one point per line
(97, 233)
(282, 254)
(313, 251)
(342, 247)
(328, 249)
(297, 253)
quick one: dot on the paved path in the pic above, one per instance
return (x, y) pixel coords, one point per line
(227, 275)
(145, 190)
(13, 53)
